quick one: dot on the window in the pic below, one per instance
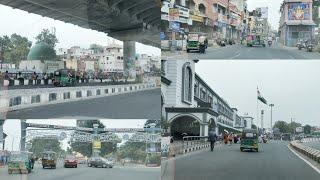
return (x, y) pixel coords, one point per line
(187, 84)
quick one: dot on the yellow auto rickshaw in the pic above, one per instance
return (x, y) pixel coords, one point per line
(49, 159)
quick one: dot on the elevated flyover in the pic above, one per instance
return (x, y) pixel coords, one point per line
(127, 20)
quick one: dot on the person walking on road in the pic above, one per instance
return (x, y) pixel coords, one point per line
(212, 139)
(225, 138)
(230, 138)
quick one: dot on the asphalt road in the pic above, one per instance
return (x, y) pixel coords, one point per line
(274, 161)
(136, 105)
(244, 52)
(85, 173)
(315, 145)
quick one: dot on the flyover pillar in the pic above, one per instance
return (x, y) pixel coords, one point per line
(129, 56)
(1, 134)
(23, 135)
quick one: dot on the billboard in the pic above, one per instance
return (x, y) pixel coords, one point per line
(299, 129)
(264, 12)
(299, 11)
(96, 144)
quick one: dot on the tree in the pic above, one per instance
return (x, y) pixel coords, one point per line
(96, 48)
(282, 126)
(15, 48)
(47, 37)
(307, 129)
(85, 148)
(38, 146)
(253, 126)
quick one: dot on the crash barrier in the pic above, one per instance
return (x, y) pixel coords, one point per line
(25, 82)
(314, 139)
(24, 98)
(308, 151)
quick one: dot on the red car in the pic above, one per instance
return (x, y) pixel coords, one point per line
(70, 161)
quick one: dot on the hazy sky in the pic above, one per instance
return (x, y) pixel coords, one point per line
(292, 86)
(12, 128)
(273, 10)
(30, 25)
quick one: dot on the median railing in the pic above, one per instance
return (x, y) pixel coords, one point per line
(306, 150)
(189, 144)
(314, 139)
(24, 98)
(28, 82)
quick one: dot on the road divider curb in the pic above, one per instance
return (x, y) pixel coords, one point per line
(26, 98)
(308, 151)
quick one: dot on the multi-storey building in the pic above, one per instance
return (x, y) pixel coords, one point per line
(190, 105)
(296, 21)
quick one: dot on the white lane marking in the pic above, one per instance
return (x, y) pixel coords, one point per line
(306, 161)
(237, 55)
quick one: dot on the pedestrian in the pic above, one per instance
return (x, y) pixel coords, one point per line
(225, 138)
(6, 76)
(212, 139)
(230, 138)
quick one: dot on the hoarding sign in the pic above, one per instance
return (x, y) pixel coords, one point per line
(174, 26)
(299, 129)
(263, 11)
(96, 144)
(173, 14)
(299, 11)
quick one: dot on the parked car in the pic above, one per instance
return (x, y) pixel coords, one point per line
(100, 162)
(70, 161)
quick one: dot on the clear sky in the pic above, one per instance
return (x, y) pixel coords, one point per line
(30, 25)
(12, 128)
(273, 10)
(292, 86)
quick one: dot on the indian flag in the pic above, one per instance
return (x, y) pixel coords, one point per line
(262, 99)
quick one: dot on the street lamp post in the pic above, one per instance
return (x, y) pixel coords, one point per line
(271, 106)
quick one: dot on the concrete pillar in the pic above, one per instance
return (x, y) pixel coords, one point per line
(1, 134)
(23, 135)
(129, 55)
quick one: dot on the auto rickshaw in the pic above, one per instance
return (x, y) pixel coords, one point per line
(249, 140)
(196, 40)
(64, 77)
(49, 159)
(255, 40)
(20, 162)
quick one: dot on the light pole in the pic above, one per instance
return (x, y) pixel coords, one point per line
(271, 106)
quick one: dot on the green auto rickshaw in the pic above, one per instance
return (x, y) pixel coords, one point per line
(20, 162)
(64, 77)
(255, 40)
(249, 140)
(49, 159)
(195, 40)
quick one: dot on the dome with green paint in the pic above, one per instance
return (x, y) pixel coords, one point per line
(42, 51)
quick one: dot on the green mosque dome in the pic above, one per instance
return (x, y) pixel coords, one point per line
(42, 51)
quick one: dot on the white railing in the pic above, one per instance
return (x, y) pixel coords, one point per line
(24, 98)
(27, 82)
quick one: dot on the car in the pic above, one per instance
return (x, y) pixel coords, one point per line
(70, 161)
(100, 162)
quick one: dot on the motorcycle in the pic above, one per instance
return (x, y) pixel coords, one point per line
(301, 45)
(269, 43)
(309, 47)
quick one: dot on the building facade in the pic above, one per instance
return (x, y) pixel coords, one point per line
(190, 105)
(216, 18)
(296, 21)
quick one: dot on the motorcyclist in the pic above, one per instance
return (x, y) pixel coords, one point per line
(270, 40)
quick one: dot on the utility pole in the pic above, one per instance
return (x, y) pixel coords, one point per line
(271, 105)
(228, 18)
